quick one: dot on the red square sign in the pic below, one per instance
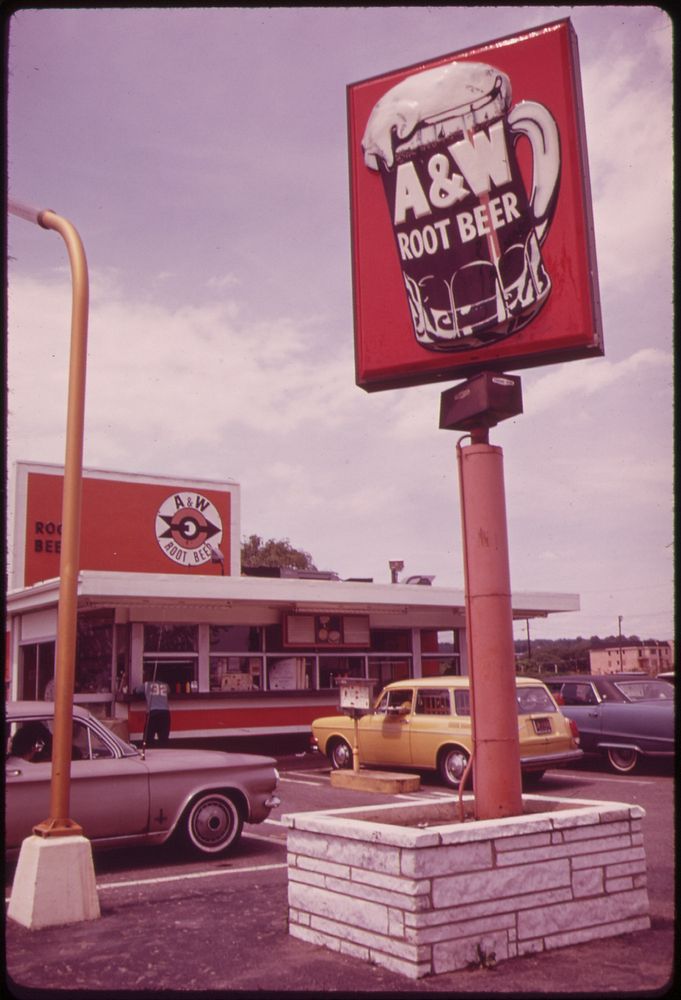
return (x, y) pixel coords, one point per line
(472, 230)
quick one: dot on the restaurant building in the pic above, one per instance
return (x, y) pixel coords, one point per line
(161, 594)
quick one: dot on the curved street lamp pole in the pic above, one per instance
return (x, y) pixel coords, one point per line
(58, 823)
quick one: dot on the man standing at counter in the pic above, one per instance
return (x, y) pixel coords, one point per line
(157, 725)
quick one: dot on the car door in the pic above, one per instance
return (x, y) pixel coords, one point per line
(109, 795)
(27, 797)
(384, 733)
(648, 725)
(581, 703)
(433, 724)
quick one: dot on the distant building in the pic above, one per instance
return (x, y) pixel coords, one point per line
(649, 658)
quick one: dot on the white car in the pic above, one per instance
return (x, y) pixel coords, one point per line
(121, 795)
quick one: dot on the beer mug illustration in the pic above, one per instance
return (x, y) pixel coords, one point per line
(468, 235)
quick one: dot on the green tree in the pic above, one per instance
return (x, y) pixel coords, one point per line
(255, 551)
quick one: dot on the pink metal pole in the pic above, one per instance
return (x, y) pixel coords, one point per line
(496, 761)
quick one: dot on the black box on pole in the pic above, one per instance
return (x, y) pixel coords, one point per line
(482, 401)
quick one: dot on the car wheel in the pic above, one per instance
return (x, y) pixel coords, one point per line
(213, 824)
(622, 759)
(340, 755)
(451, 765)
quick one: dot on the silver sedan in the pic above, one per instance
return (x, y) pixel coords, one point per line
(120, 795)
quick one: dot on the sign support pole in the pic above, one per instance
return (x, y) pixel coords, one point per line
(489, 629)
(355, 745)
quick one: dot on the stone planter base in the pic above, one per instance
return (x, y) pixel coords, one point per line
(415, 890)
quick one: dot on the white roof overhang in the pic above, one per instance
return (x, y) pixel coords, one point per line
(107, 589)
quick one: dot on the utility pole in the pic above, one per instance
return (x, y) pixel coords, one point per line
(619, 625)
(529, 645)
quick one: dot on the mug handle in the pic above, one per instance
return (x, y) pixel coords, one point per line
(533, 120)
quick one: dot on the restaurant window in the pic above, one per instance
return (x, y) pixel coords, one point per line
(391, 640)
(230, 669)
(235, 673)
(94, 652)
(274, 639)
(171, 638)
(289, 673)
(235, 639)
(385, 669)
(171, 656)
(37, 671)
(440, 652)
(180, 674)
(333, 668)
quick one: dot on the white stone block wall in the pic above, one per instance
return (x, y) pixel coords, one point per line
(432, 900)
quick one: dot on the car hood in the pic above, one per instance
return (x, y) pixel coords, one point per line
(180, 760)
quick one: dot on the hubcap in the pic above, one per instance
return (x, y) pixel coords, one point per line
(623, 758)
(456, 765)
(211, 823)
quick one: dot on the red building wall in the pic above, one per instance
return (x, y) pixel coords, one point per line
(118, 531)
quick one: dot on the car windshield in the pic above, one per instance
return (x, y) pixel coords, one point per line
(645, 690)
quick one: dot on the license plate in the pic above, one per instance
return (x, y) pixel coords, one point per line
(542, 726)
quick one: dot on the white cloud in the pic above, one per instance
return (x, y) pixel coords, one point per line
(629, 131)
(189, 378)
(594, 376)
(224, 281)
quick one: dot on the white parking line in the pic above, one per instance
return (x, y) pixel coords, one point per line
(427, 794)
(296, 781)
(601, 777)
(187, 875)
(307, 772)
(259, 836)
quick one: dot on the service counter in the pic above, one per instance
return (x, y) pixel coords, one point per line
(236, 714)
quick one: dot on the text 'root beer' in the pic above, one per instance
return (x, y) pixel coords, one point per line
(468, 236)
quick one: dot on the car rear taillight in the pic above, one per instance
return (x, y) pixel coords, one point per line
(574, 729)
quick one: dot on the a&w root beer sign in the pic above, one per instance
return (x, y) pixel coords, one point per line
(471, 214)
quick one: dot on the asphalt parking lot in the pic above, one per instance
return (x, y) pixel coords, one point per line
(168, 927)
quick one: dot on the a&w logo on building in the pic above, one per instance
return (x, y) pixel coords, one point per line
(188, 528)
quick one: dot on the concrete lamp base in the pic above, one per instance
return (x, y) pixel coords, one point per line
(54, 883)
(376, 781)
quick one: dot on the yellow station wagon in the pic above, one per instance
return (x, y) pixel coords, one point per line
(425, 724)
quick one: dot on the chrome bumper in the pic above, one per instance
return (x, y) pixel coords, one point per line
(551, 760)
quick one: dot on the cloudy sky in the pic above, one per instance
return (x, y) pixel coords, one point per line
(202, 156)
